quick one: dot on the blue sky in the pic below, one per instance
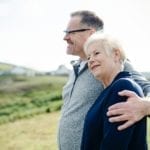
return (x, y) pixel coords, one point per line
(31, 31)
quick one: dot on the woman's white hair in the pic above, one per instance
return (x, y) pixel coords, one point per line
(108, 42)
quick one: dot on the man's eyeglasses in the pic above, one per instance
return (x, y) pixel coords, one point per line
(73, 31)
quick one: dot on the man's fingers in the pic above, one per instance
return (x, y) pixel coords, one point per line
(116, 106)
(126, 93)
(124, 111)
(113, 111)
(118, 118)
(125, 125)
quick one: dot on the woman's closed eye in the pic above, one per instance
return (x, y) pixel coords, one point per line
(97, 52)
(88, 57)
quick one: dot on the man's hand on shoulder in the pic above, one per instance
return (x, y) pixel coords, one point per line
(131, 111)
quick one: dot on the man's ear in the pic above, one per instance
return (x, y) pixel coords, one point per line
(92, 31)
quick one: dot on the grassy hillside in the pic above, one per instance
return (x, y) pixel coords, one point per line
(22, 96)
(36, 133)
(4, 66)
(21, 99)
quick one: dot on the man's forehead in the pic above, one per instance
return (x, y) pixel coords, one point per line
(74, 22)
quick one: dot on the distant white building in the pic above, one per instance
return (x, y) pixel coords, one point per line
(61, 70)
(22, 71)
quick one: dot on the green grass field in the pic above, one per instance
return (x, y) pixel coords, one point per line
(22, 97)
(37, 133)
(29, 112)
(26, 106)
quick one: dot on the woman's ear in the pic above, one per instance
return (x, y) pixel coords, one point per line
(117, 55)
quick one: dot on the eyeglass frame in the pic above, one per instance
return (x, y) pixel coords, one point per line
(77, 30)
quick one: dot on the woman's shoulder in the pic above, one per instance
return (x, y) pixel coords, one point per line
(127, 83)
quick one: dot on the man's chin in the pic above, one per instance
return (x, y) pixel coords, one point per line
(70, 53)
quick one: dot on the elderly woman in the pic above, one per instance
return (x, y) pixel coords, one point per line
(105, 60)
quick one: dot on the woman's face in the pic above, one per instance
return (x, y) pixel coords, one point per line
(100, 62)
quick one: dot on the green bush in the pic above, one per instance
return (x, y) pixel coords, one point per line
(28, 96)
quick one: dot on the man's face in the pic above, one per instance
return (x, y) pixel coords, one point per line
(77, 38)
